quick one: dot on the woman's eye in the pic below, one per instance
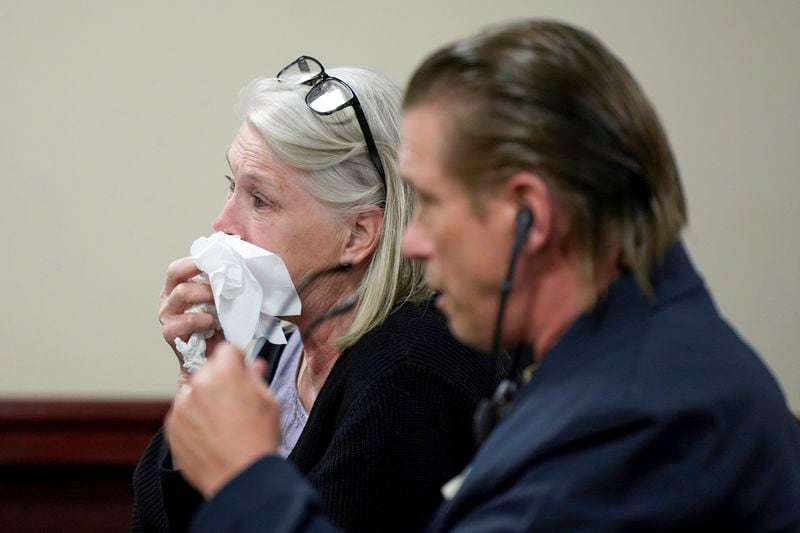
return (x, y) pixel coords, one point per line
(258, 201)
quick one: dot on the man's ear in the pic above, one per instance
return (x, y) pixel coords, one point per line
(529, 191)
(364, 235)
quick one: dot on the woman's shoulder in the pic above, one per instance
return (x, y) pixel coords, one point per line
(417, 336)
(411, 324)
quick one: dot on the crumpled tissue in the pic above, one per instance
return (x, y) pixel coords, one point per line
(251, 287)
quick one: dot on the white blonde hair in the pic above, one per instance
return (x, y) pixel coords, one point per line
(332, 157)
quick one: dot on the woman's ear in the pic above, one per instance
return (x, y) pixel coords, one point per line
(364, 235)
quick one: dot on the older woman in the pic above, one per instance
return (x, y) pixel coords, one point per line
(376, 402)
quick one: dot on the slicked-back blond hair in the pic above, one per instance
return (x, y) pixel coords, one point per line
(548, 98)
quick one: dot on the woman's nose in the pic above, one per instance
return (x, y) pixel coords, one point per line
(226, 221)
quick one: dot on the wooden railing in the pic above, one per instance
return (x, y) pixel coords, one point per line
(67, 465)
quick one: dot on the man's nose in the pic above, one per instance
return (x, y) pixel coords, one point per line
(416, 243)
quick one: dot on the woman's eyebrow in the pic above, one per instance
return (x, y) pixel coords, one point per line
(253, 176)
(261, 178)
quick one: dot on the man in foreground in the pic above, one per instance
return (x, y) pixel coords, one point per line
(537, 158)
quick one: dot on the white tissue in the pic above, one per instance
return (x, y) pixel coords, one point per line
(194, 351)
(251, 286)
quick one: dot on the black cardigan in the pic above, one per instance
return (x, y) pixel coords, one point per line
(391, 424)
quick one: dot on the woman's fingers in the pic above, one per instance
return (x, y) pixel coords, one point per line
(184, 325)
(179, 271)
(182, 297)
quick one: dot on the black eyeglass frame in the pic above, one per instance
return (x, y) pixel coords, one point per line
(316, 83)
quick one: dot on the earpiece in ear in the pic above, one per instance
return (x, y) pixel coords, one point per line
(491, 410)
(523, 226)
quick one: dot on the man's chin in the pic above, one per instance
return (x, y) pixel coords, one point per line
(460, 328)
(476, 337)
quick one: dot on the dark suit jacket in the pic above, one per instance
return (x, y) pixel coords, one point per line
(644, 417)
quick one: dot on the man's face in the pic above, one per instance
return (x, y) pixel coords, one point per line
(465, 250)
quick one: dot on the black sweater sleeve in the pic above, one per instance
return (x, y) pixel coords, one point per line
(163, 500)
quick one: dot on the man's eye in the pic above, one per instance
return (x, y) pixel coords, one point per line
(259, 202)
(231, 185)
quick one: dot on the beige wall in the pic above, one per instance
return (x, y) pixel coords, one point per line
(115, 118)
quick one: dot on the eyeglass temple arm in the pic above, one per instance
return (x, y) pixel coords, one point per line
(371, 147)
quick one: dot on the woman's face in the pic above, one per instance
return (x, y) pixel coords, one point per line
(268, 207)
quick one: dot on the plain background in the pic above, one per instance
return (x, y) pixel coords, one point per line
(115, 118)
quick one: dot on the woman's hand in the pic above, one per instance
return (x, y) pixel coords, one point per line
(178, 295)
